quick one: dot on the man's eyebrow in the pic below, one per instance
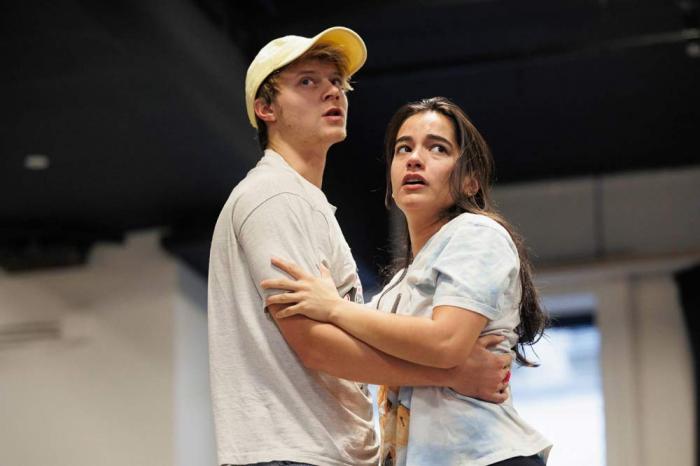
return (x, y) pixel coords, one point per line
(308, 71)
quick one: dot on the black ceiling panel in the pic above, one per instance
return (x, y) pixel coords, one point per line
(134, 118)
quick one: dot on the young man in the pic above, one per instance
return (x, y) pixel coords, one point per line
(283, 391)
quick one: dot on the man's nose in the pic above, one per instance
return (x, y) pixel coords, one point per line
(332, 91)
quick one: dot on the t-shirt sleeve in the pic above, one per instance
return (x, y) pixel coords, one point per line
(475, 269)
(284, 226)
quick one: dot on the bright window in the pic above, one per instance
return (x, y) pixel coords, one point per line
(563, 398)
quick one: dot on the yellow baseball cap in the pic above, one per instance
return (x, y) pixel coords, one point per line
(284, 50)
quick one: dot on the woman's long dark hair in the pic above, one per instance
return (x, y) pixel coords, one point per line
(475, 162)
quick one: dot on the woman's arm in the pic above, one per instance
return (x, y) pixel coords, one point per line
(442, 341)
(327, 348)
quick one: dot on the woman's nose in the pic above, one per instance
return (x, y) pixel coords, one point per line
(414, 160)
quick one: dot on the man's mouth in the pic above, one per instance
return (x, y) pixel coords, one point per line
(333, 112)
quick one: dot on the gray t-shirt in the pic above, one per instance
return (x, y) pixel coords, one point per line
(267, 405)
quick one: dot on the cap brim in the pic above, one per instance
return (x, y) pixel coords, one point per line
(347, 40)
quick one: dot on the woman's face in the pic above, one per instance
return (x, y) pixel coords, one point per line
(425, 153)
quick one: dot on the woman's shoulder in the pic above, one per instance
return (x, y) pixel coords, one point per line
(479, 232)
(387, 292)
(468, 220)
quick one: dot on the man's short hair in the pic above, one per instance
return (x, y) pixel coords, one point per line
(267, 91)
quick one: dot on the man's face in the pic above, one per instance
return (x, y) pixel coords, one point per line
(310, 106)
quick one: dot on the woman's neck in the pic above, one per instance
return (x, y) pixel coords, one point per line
(420, 230)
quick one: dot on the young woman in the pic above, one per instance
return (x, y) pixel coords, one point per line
(465, 274)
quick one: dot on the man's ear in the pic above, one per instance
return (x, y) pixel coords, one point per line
(264, 111)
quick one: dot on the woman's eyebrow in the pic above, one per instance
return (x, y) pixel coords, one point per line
(439, 138)
(403, 139)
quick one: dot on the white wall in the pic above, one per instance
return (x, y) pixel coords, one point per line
(646, 364)
(601, 218)
(113, 392)
(194, 427)
(666, 398)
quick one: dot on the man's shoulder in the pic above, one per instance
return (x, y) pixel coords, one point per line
(263, 182)
(275, 189)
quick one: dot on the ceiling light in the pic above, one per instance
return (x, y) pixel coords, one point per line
(36, 162)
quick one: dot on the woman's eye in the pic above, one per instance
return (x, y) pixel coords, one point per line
(337, 82)
(307, 81)
(403, 149)
(439, 148)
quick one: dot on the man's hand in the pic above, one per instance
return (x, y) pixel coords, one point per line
(484, 375)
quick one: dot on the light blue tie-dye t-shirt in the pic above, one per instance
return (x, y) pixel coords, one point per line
(470, 263)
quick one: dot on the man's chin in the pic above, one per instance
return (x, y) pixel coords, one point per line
(337, 136)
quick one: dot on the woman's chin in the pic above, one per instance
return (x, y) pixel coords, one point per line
(413, 206)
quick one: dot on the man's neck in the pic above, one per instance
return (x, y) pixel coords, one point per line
(308, 162)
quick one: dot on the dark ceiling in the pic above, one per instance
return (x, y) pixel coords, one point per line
(138, 105)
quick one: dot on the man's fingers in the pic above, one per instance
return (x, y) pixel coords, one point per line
(496, 397)
(490, 340)
(280, 284)
(504, 361)
(289, 267)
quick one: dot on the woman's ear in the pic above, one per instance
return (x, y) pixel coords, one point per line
(264, 111)
(470, 186)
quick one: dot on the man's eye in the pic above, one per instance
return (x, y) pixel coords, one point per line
(337, 82)
(307, 81)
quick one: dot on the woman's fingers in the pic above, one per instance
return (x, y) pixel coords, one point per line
(289, 267)
(283, 298)
(288, 312)
(325, 273)
(281, 284)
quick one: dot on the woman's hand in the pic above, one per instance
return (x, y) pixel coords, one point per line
(314, 297)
